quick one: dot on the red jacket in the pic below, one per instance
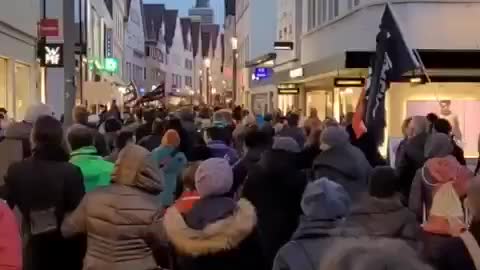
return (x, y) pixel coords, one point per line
(186, 201)
(10, 241)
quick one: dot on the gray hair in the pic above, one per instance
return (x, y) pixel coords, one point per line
(371, 254)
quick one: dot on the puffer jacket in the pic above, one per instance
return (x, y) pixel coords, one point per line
(117, 219)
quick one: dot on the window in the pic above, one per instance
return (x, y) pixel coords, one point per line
(332, 9)
(324, 10)
(290, 29)
(144, 73)
(147, 50)
(280, 34)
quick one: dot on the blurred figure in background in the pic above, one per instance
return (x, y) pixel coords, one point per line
(123, 139)
(80, 117)
(154, 140)
(312, 122)
(292, 130)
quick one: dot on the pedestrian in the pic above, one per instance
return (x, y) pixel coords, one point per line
(342, 162)
(80, 117)
(312, 122)
(46, 188)
(153, 140)
(381, 213)
(443, 126)
(311, 149)
(292, 130)
(241, 131)
(275, 186)
(413, 156)
(145, 119)
(95, 170)
(401, 146)
(431, 119)
(118, 219)
(123, 139)
(219, 144)
(171, 161)
(189, 194)
(114, 111)
(186, 142)
(111, 128)
(372, 254)
(325, 204)
(461, 251)
(11, 242)
(218, 232)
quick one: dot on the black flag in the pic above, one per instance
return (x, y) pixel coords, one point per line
(392, 59)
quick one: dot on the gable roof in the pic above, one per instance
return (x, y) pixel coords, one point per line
(153, 18)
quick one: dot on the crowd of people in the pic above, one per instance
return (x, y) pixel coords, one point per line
(210, 188)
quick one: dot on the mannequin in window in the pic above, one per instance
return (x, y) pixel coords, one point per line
(446, 113)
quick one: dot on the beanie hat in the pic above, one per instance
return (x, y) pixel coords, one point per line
(333, 136)
(286, 144)
(438, 145)
(383, 182)
(171, 138)
(213, 177)
(325, 200)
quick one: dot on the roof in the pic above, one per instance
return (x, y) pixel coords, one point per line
(153, 17)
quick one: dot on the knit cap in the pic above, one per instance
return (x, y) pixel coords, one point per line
(325, 200)
(286, 144)
(213, 177)
(383, 182)
(171, 138)
(333, 136)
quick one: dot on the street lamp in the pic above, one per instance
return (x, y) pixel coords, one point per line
(234, 42)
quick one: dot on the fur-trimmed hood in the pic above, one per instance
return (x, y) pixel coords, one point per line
(223, 235)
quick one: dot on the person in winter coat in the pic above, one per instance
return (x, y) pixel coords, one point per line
(154, 140)
(145, 120)
(218, 232)
(381, 212)
(267, 126)
(118, 219)
(342, 162)
(313, 122)
(169, 158)
(275, 187)
(189, 195)
(46, 188)
(96, 171)
(219, 144)
(413, 157)
(311, 149)
(186, 141)
(292, 130)
(455, 253)
(401, 146)
(248, 123)
(80, 117)
(443, 126)
(325, 204)
(437, 193)
(124, 137)
(372, 254)
(11, 242)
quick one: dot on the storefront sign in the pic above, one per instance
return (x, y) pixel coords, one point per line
(51, 55)
(49, 28)
(288, 89)
(261, 73)
(111, 65)
(349, 82)
(108, 43)
(296, 73)
(283, 45)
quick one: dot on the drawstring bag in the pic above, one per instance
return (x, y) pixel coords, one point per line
(472, 247)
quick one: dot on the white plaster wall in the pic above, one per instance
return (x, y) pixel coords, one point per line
(134, 38)
(22, 14)
(426, 25)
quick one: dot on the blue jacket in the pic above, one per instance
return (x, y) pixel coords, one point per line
(171, 163)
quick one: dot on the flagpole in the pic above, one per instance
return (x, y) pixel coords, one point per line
(422, 66)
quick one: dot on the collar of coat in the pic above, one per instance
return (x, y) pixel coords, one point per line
(223, 235)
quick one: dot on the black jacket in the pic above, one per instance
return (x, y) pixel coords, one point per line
(409, 161)
(150, 142)
(44, 181)
(230, 242)
(275, 187)
(454, 254)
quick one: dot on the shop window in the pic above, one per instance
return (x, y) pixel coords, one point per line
(22, 89)
(3, 83)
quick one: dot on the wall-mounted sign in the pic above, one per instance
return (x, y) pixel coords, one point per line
(108, 42)
(283, 45)
(109, 65)
(288, 89)
(261, 73)
(51, 55)
(349, 82)
(296, 73)
(49, 28)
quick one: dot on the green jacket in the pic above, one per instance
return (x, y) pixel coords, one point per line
(96, 171)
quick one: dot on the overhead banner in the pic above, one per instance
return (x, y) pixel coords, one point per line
(153, 14)
(206, 40)
(186, 24)
(195, 37)
(214, 35)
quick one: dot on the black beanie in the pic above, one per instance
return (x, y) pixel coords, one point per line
(383, 182)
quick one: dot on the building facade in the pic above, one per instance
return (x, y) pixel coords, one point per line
(331, 47)
(19, 71)
(135, 46)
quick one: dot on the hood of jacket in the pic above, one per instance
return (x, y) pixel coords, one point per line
(222, 235)
(310, 228)
(447, 169)
(279, 162)
(415, 148)
(135, 167)
(345, 159)
(380, 217)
